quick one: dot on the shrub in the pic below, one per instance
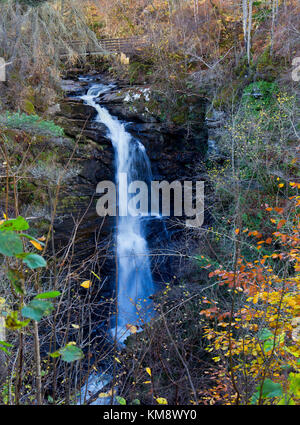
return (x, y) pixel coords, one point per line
(23, 121)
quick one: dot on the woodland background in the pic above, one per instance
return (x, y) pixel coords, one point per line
(227, 328)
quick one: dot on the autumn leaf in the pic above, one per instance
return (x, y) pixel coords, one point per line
(148, 370)
(86, 284)
(131, 328)
(161, 400)
(280, 224)
(36, 245)
(279, 210)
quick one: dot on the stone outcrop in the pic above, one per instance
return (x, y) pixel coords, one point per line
(174, 155)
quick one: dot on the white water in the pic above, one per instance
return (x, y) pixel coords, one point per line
(134, 282)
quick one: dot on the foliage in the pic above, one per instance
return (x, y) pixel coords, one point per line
(260, 95)
(259, 339)
(12, 244)
(31, 122)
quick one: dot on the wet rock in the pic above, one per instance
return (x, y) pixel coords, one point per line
(76, 110)
(215, 119)
(72, 87)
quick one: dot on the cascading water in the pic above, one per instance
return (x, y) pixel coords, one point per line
(134, 281)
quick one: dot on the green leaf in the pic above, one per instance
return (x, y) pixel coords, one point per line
(265, 334)
(10, 244)
(286, 402)
(3, 345)
(271, 389)
(268, 345)
(12, 322)
(50, 399)
(121, 400)
(5, 350)
(18, 223)
(6, 344)
(254, 398)
(294, 379)
(136, 401)
(17, 280)
(36, 309)
(70, 353)
(45, 295)
(31, 238)
(33, 261)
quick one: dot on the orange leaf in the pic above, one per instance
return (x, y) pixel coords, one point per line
(279, 210)
(36, 245)
(280, 224)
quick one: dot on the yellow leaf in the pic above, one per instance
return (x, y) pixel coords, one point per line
(161, 400)
(42, 238)
(96, 275)
(86, 284)
(5, 216)
(75, 326)
(148, 370)
(147, 382)
(36, 245)
(131, 328)
(108, 394)
(117, 360)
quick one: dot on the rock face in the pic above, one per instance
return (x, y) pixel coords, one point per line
(171, 150)
(174, 155)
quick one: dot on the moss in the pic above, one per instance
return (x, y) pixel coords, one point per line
(28, 107)
(71, 202)
(260, 95)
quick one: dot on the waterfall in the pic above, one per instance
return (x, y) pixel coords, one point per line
(134, 282)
